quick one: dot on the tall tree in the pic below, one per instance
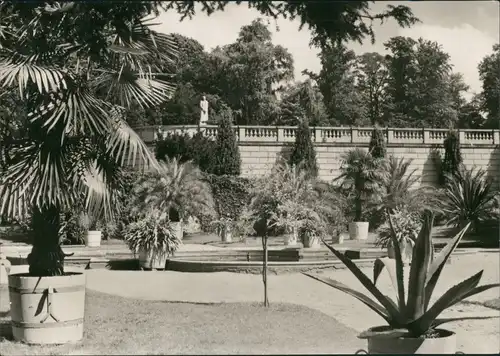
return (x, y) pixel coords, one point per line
(372, 80)
(254, 70)
(420, 86)
(489, 73)
(302, 100)
(337, 82)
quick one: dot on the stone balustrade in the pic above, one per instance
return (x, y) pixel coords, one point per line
(334, 135)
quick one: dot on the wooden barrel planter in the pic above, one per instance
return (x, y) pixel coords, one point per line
(47, 310)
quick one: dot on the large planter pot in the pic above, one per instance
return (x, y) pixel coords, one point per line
(93, 238)
(445, 343)
(150, 260)
(310, 241)
(226, 234)
(47, 310)
(177, 226)
(358, 230)
(406, 252)
(292, 238)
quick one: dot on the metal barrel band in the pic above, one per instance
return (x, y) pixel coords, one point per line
(361, 351)
(20, 324)
(44, 290)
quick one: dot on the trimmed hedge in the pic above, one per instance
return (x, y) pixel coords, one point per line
(231, 194)
(198, 149)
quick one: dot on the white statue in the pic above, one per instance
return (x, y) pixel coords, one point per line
(204, 111)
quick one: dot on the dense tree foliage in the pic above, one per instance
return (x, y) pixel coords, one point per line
(489, 73)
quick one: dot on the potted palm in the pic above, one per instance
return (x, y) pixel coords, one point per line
(406, 226)
(413, 324)
(358, 181)
(175, 190)
(311, 229)
(92, 227)
(224, 227)
(74, 138)
(153, 239)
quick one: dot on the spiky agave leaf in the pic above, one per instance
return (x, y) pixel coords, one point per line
(454, 295)
(397, 319)
(399, 268)
(377, 308)
(420, 262)
(438, 264)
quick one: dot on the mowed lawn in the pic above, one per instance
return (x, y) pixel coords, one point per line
(116, 325)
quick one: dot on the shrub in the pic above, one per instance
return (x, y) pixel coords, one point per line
(72, 231)
(197, 148)
(469, 197)
(303, 153)
(152, 234)
(406, 223)
(226, 158)
(452, 161)
(377, 144)
(230, 193)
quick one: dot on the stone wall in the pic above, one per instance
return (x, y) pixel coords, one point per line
(261, 146)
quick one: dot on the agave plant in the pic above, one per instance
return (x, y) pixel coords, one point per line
(76, 66)
(469, 196)
(411, 314)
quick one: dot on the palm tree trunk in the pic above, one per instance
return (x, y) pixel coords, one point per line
(46, 257)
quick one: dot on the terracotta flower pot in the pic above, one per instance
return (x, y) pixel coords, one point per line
(358, 230)
(93, 238)
(310, 241)
(406, 252)
(150, 260)
(177, 226)
(444, 343)
(226, 234)
(292, 238)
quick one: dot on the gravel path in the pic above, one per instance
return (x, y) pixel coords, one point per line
(474, 336)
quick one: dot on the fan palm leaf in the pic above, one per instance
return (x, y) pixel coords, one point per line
(66, 102)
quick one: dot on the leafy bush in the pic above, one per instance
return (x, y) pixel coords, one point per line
(287, 198)
(226, 158)
(468, 197)
(152, 234)
(303, 153)
(452, 162)
(72, 231)
(197, 148)
(406, 224)
(377, 144)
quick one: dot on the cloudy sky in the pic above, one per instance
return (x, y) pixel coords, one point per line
(467, 30)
